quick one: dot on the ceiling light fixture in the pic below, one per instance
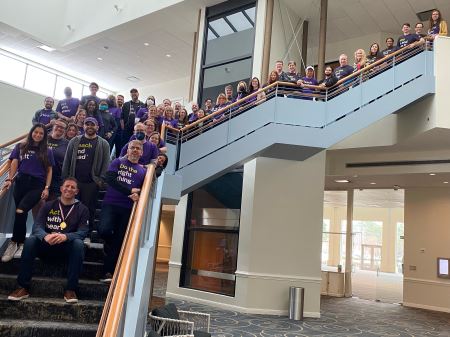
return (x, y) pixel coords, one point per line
(168, 55)
(133, 79)
(146, 44)
(99, 58)
(445, 182)
(432, 174)
(373, 183)
(342, 181)
(46, 48)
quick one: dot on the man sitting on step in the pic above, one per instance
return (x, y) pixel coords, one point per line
(58, 232)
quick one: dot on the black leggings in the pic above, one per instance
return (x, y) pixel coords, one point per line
(27, 193)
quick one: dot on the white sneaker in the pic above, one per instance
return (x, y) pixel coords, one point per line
(8, 255)
(18, 254)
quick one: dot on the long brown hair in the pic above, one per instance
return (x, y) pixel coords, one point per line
(41, 153)
(438, 21)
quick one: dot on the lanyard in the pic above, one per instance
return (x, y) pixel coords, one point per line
(63, 224)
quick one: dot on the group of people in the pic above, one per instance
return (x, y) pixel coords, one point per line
(58, 171)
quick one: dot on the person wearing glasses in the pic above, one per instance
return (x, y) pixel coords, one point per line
(58, 144)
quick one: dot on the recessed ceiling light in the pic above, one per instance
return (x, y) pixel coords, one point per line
(46, 48)
(99, 58)
(342, 181)
(168, 55)
(432, 174)
(355, 176)
(146, 44)
(133, 79)
(373, 183)
(445, 182)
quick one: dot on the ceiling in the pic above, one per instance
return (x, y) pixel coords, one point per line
(171, 32)
(352, 18)
(367, 198)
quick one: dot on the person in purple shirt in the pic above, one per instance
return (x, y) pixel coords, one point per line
(344, 68)
(169, 117)
(406, 39)
(93, 88)
(309, 79)
(115, 109)
(47, 115)
(183, 119)
(207, 107)
(390, 48)
(221, 103)
(58, 144)
(58, 234)
(155, 138)
(68, 107)
(92, 111)
(125, 177)
(144, 109)
(193, 116)
(150, 151)
(33, 162)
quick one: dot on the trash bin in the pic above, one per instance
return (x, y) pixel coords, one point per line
(296, 303)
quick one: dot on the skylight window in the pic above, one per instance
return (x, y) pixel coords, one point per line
(221, 27)
(239, 21)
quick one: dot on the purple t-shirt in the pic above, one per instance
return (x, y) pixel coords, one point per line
(29, 164)
(130, 175)
(68, 107)
(141, 112)
(150, 152)
(85, 159)
(405, 40)
(115, 112)
(172, 122)
(44, 116)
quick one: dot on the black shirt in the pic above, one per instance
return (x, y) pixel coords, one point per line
(341, 72)
(59, 147)
(85, 159)
(129, 110)
(405, 40)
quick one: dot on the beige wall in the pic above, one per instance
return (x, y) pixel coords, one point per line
(427, 237)
(279, 240)
(165, 236)
(18, 108)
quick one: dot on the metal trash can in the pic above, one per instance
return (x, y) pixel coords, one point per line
(296, 303)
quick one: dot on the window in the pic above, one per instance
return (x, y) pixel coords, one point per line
(212, 235)
(40, 81)
(229, 42)
(11, 70)
(62, 83)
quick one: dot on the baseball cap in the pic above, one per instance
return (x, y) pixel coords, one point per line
(92, 120)
(310, 67)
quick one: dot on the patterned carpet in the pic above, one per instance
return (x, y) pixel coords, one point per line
(340, 317)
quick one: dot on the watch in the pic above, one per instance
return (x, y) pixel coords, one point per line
(47, 187)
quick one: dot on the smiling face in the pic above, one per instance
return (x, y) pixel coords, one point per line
(406, 29)
(90, 106)
(292, 67)
(48, 103)
(37, 135)
(71, 132)
(134, 151)
(69, 189)
(343, 60)
(93, 89)
(154, 139)
(374, 48)
(90, 129)
(435, 15)
(59, 128)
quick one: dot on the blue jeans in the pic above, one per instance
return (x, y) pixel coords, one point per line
(71, 251)
(112, 228)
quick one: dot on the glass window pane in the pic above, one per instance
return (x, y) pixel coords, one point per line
(221, 27)
(211, 35)
(102, 94)
(239, 21)
(251, 13)
(11, 70)
(40, 81)
(215, 79)
(62, 82)
(86, 90)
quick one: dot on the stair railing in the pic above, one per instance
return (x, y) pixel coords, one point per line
(316, 94)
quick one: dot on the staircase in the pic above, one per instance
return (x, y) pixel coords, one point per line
(45, 313)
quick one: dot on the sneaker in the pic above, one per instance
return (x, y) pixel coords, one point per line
(107, 278)
(18, 253)
(70, 296)
(8, 255)
(18, 294)
(87, 241)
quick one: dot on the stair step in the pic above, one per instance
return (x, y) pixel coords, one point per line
(91, 270)
(29, 328)
(54, 287)
(93, 252)
(52, 309)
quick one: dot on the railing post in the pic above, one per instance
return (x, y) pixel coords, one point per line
(393, 73)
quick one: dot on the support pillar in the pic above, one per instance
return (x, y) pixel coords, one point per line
(267, 41)
(304, 46)
(322, 38)
(349, 245)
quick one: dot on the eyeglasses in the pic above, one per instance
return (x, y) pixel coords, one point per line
(135, 148)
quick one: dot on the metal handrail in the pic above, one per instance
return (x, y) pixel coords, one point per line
(349, 78)
(4, 169)
(115, 309)
(13, 141)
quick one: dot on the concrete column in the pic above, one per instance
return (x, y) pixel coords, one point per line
(267, 41)
(349, 245)
(322, 38)
(280, 236)
(304, 45)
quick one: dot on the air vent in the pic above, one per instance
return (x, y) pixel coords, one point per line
(398, 163)
(133, 79)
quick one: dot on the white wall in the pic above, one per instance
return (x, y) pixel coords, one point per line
(427, 237)
(18, 108)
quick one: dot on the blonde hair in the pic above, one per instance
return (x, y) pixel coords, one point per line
(363, 60)
(221, 95)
